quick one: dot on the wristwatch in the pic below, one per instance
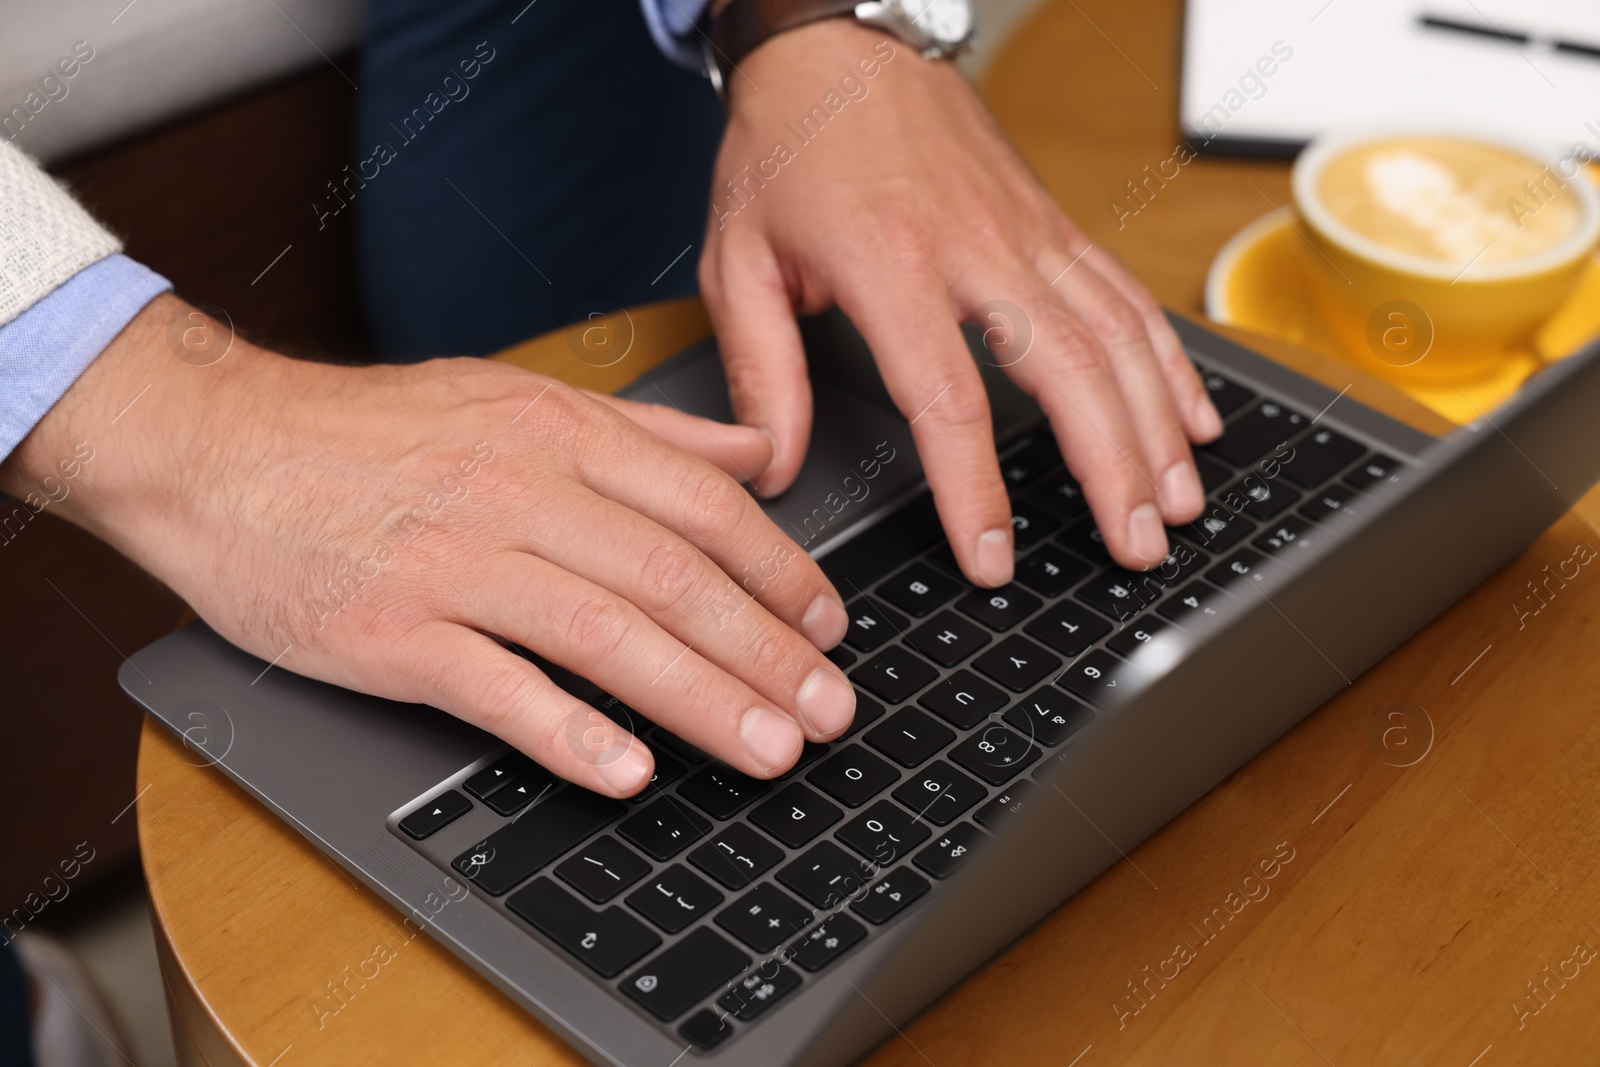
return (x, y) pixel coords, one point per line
(938, 29)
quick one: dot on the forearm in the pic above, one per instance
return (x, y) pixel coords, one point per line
(150, 419)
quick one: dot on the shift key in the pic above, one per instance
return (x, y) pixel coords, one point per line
(536, 837)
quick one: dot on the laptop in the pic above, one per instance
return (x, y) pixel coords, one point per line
(1009, 744)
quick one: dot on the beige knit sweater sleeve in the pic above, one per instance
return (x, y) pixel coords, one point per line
(45, 237)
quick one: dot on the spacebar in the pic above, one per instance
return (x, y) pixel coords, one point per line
(539, 835)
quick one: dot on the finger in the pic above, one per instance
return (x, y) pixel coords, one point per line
(737, 450)
(690, 597)
(1070, 375)
(475, 679)
(604, 638)
(708, 509)
(1122, 334)
(762, 356)
(1200, 418)
(928, 370)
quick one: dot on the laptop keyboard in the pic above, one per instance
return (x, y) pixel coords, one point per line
(712, 895)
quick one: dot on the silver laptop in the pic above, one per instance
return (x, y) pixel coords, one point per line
(1009, 744)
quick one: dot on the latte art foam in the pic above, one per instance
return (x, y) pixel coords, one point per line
(1450, 201)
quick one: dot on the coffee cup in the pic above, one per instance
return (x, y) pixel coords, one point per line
(1432, 256)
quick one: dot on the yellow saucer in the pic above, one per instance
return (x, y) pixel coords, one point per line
(1257, 282)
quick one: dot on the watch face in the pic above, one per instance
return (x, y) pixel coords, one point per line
(948, 22)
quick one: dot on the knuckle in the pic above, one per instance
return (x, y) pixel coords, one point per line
(1075, 354)
(712, 505)
(502, 697)
(771, 654)
(596, 626)
(668, 575)
(1119, 323)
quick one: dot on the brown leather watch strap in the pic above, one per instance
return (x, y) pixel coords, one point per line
(744, 24)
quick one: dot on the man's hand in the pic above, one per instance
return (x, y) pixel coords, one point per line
(388, 528)
(856, 173)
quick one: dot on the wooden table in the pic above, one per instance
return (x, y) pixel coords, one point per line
(1439, 898)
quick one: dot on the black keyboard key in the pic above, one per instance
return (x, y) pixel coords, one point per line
(607, 941)
(1083, 537)
(529, 786)
(1068, 628)
(963, 700)
(668, 770)
(995, 754)
(1101, 678)
(950, 850)
(756, 991)
(736, 856)
(871, 624)
(1226, 396)
(1144, 634)
(685, 974)
(1218, 530)
(436, 814)
(1182, 562)
(868, 711)
(890, 895)
(602, 868)
(501, 772)
(1259, 497)
(1048, 716)
(909, 737)
(999, 609)
(918, 590)
(678, 746)
(1051, 570)
(1241, 568)
(1030, 524)
(619, 713)
(796, 815)
(1017, 663)
(1318, 456)
(1120, 593)
(765, 917)
(1214, 474)
(893, 674)
(827, 875)
(1257, 430)
(665, 828)
(939, 793)
(538, 836)
(944, 557)
(675, 898)
(1032, 461)
(720, 791)
(841, 657)
(1288, 532)
(884, 833)
(853, 776)
(1005, 806)
(836, 936)
(1373, 469)
(947, 639)
(1333, 500)
(1193, 605)
(810, 752)
(1060, 494)
(705, 1029)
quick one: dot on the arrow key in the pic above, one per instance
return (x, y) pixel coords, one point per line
(437, 813)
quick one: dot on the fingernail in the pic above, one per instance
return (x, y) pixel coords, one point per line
(1146, 539)
(628, 773)
(825, 621)
(996, 562)
(1180, 488)
(771, 460)
(773, 740)
(1206, 419)
(826, 702)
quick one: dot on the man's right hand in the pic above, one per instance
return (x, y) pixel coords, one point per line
(387, 528)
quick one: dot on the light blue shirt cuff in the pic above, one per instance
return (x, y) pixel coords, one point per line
(673, 26)
(43, 350)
